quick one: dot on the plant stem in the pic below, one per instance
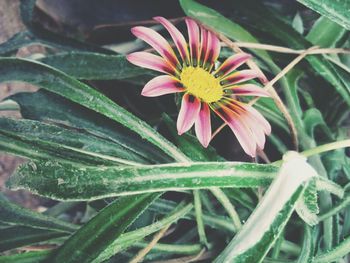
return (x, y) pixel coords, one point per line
(230, 209)
(326, 147)
(336, 209)
(188, 249)
(338, 252)
(321, 149)
(199, 217)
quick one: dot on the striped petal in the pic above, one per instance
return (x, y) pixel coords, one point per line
(156, 41)
(251, 123)
(150, 61)
(190, 107)
(259, 118)
(203, 125)
(161, 85)
(177, 37)
(193, 34)
(244, 135)
(232, 63)
(213, 49)
(248, 90)
(240, 76)
(203, 46)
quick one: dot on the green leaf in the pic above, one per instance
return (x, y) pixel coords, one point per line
(190, 145)
(13, 214)
(87, 65)
(95, 236)
(68, 182)
(28, 257)
(213, 221)
(269, 23)
(47, 141)
(18, 236)
(56, 109)
(12, 69)
(264, 226)
(325, 33)
(128, 239)
(298, 24)
(313, 118)
(222, 24)
(336, 253)
(307, 207)
(337, 11)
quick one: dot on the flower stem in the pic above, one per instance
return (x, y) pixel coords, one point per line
(230, 209)
(338, 252)
(199, 217)
(321, 149)
(327, 147)
(336, 209)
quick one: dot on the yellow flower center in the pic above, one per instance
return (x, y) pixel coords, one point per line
(201, 84)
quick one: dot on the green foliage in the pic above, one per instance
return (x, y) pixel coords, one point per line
(133, 175)
(337, 11)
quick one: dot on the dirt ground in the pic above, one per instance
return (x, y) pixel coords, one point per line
(10, 24)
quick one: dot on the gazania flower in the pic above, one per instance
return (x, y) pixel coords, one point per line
(194, 70)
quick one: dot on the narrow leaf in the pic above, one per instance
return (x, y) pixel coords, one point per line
(18, 236)
(257, 236)
(67, 182)
(12, 69)
(65, 143)
(337, 11)
(13, 214)
(61, 111)
(100, 232)
(88, 65)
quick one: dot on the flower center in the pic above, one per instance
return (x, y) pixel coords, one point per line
(201, 84)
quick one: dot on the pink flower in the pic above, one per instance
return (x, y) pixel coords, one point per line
(191, 70)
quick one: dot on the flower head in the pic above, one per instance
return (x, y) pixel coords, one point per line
(192, 71)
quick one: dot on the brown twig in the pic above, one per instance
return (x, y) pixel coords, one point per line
(137, 23)
(274, 95)
(269, 85)
(202, 255)
(143, 252)
(286, 50)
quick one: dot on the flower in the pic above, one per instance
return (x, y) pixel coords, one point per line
(192, 70)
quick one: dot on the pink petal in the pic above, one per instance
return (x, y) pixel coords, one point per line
(244, 135)
(204, 45)
(213, 49)
(150, 61)
(193, 34)
(257, 131)
(161, 85)
(177, 37)
(260, 119)
(190, 107)
(249, 90)
(241, 76)
(158, 42)
(203, 125)
(232, 63)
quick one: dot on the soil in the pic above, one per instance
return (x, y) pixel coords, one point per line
(10, 24)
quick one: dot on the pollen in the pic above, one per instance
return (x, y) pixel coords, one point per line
(201, 84)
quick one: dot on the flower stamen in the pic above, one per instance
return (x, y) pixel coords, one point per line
(201, 84)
